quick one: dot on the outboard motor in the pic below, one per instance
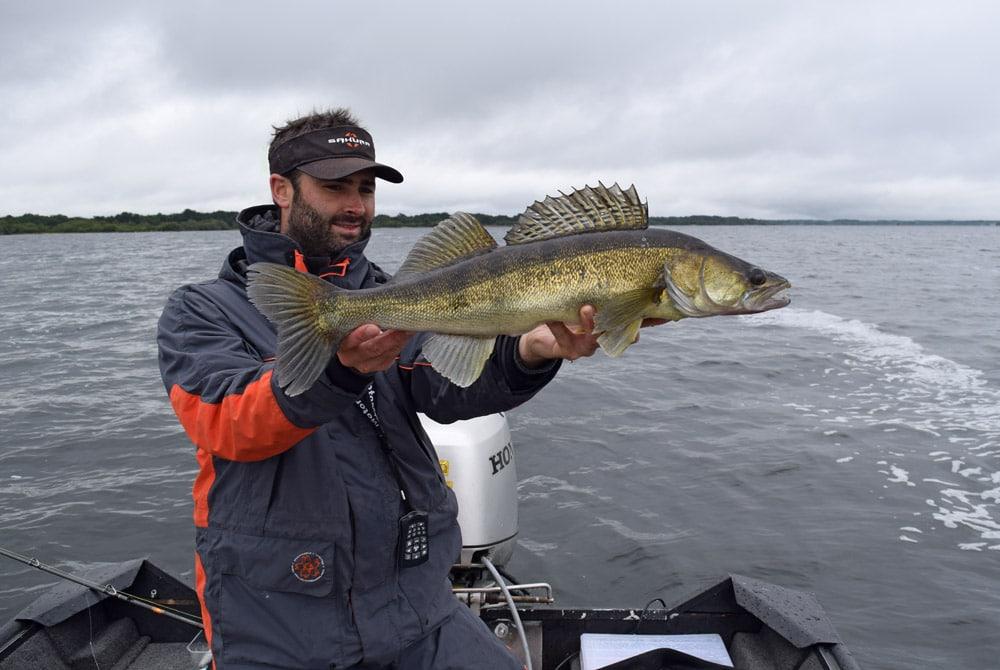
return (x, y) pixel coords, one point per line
(478, 463)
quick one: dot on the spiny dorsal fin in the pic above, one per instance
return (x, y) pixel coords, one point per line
(583, 210)
(458, 237)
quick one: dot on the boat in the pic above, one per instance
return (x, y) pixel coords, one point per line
(761, 625)
(133, 615)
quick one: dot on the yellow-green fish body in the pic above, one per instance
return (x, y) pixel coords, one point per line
(514, 288)
(590, 247)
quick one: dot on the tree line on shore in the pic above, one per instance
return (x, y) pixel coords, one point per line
(189, 219)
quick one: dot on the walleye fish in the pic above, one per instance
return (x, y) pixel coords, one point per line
(592, 246)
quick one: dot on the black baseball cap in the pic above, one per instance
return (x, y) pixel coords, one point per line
(330, 153)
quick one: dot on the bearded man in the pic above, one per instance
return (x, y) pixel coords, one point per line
(301, 503)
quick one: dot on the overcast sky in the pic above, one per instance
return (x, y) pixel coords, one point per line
(768, 109)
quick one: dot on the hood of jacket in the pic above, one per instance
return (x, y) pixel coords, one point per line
(262, 241)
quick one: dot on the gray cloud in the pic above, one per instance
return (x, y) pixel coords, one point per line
(781, 109)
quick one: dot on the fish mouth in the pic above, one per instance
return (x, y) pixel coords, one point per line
(767, 298)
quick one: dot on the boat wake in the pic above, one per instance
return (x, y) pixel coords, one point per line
(946, 413)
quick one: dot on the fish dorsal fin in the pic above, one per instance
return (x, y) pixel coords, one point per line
(458, 237)
(586, 209)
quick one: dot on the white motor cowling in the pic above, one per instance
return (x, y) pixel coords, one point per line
(477, 459)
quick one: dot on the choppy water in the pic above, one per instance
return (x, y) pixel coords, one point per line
(848, 445)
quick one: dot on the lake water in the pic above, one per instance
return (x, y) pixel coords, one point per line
(848, 445)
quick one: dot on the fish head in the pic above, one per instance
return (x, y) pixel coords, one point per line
(707, 282)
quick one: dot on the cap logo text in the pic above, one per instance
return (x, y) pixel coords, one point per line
(350, 140)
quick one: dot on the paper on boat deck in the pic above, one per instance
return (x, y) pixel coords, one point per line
(598, 649)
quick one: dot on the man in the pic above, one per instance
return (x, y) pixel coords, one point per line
(301, 502)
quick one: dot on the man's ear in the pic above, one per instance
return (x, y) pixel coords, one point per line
(281, 191)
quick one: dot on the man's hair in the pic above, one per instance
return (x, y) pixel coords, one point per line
(316, 120)
(330, 118)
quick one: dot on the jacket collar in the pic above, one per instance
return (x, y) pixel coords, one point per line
(262, 242)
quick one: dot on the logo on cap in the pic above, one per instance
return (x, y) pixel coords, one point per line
(308, 567)
(350, 140)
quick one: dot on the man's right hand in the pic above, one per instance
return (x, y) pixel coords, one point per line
(369, 349)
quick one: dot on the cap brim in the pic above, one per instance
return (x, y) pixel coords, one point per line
(335, 168)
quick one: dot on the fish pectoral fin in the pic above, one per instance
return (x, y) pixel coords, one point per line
(584, 210)
(619, 321)
(458, 237)
(458, 358)
(615, 342)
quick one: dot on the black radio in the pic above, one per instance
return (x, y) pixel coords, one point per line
(413, 541)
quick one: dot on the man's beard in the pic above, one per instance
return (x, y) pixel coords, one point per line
(315, 234)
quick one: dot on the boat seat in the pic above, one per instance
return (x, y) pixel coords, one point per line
(36, 652)
(108, 645)
(162, 656)
(765, 650)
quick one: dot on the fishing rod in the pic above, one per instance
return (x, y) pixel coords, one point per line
(106, 589)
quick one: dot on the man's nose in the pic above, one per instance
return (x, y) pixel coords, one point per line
(355, 204)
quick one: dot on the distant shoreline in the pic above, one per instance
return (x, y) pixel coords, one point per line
(127, 222)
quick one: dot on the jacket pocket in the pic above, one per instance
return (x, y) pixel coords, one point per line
(280, 605)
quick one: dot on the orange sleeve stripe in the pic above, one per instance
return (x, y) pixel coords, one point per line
(248, 426)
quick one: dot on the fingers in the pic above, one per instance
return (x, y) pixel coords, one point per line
(359, 335)
(571, 345)
(369, 349)
(586, 323)
(563, 336)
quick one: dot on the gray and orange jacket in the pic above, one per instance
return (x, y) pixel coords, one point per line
(296, 504)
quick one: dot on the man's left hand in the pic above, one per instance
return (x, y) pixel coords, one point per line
(556, 339)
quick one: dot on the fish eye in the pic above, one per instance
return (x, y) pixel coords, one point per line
(757, 277)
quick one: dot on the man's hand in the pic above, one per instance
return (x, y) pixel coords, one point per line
(558, 340)
(555, 340)
(368, 348)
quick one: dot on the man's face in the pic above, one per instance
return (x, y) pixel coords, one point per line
(326, 216)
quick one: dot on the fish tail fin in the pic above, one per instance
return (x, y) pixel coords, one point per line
(303, 310)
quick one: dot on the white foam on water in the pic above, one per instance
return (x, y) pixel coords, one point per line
(639, 536)
(918, 391)
(537, 548)
(544, 486)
